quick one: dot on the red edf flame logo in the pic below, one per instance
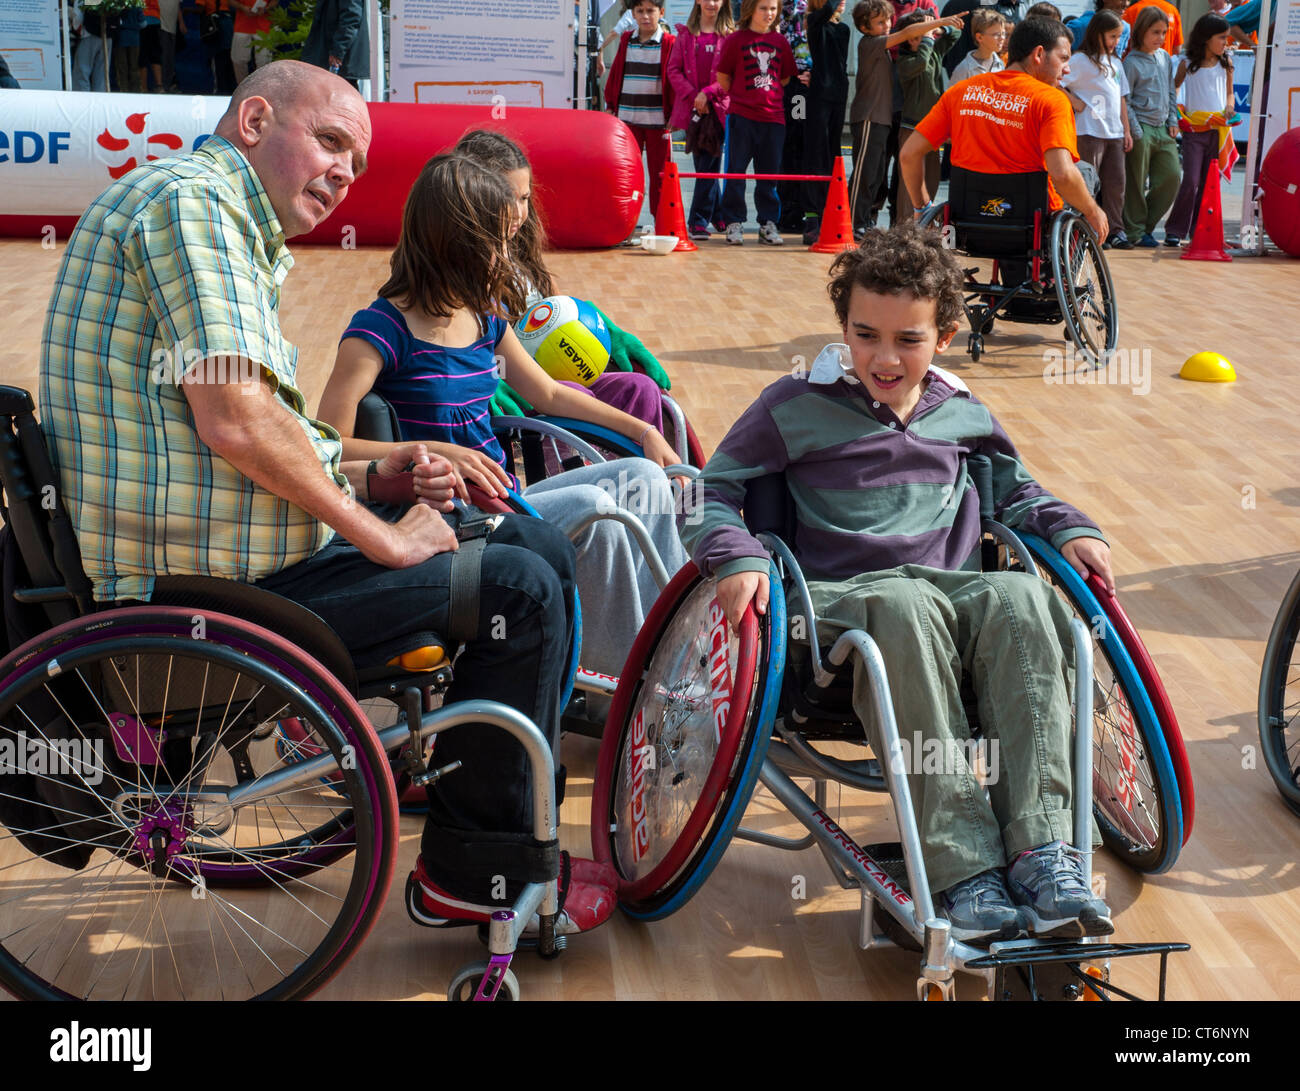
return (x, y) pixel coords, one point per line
(134, 123)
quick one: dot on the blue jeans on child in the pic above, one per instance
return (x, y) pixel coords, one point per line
(761, 142)
(706, 201)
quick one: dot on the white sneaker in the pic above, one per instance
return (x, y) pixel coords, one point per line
(770, 234)
(735, 234)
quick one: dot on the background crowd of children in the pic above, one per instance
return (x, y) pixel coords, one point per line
(773, 75)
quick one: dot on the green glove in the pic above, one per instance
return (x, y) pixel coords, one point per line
(507, 403)
(627, 353)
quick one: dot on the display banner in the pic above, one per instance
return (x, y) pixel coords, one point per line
(29, 40)
(59, 149)
(1275, 101)
(483, 52)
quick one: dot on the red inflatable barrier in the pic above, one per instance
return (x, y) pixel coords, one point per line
(58, 150)
(587, 174)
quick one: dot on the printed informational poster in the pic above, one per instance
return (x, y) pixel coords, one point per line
(29, 40)
(489, 52)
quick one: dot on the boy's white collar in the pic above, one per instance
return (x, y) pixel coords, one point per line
(834, 363)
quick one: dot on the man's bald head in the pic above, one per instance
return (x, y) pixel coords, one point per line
(305, 132)
(283, 84)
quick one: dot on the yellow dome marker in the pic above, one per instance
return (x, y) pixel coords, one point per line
(1208, 367)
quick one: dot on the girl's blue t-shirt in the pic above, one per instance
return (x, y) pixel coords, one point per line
(439, 393)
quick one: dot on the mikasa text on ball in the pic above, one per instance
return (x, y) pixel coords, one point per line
(567, 337)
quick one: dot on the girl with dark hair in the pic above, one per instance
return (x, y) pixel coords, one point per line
(1098, 91)
(434, 345)
(1205, 75)
(636, 392)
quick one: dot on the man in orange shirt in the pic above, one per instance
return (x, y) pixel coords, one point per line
(1173, 39)
(1010, 122)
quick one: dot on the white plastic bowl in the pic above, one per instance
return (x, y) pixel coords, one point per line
(659, 244)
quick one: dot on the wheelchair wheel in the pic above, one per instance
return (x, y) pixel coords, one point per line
(1279, 700)
(1084, 288)
(1155, 689)
(133, 874)
(1135, 789)
(695, 705)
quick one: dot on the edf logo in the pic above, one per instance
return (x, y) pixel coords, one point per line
(29, 147)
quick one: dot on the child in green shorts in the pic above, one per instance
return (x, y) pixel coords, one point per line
(874, 443)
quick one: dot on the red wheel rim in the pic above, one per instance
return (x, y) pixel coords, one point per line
(630, 687)
(1146, 670)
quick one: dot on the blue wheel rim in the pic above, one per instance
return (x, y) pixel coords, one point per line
(1144, 713)
(597, 434)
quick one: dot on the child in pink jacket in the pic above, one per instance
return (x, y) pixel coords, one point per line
(692, 71)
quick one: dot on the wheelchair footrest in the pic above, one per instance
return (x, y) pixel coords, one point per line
(1050, 970)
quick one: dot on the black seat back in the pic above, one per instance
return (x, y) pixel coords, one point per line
(32, 505)
(994, 213)
(769, 508)
(377, 420)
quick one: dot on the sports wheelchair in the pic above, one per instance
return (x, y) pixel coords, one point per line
(1279, 700)
(705, 713)
(1047, 268)
(222, 821)
(536, 448)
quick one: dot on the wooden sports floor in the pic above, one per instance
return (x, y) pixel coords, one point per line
(1197, 486)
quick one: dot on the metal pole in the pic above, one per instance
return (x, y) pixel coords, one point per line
(67, 46)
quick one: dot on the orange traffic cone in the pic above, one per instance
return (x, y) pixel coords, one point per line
(836, 232)
(1207, 238)
(670, 216)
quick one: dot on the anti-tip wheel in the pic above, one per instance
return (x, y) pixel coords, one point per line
(464, 986)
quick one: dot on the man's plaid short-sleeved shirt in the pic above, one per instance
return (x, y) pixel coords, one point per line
(172, 274)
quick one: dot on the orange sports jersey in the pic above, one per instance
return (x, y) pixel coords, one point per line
(1173, 36)
(1002, 123)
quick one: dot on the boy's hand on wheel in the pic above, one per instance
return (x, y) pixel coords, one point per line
(1090, 555)
(737, 590)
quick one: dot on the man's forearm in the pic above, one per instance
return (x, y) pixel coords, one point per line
(1074, 190)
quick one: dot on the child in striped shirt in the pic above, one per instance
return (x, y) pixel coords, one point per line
(638, 92)
(874, 443)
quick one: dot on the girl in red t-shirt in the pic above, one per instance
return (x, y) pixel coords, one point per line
(756, 63)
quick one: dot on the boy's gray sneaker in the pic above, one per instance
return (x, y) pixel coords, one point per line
(982, 909)
(1048, 884)
(736, 234)
(770, 234)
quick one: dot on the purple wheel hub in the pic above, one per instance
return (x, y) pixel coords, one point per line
(168, 820)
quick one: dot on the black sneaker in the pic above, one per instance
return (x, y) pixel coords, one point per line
(812, 230)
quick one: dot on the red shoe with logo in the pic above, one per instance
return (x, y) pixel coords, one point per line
(588, 899)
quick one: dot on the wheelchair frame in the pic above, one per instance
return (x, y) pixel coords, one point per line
(896, 906)
(1071, 246)
(48, 551)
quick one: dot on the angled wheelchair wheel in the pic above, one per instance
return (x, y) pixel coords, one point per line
(178, 855)
(1084, 288)
(1279, 700)
(1155, 690)
(1135, 789)
(695, 708)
